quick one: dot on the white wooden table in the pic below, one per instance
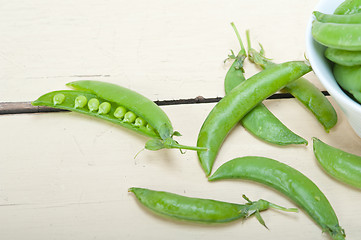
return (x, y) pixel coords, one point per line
(65, 176)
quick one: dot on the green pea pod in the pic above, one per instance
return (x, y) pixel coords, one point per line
(201, 210)
(349, 78)
(343, 166)
(119, 99)
(302, 89)
(235, 105)
(314, 100)
(333, 18)
(288, 181)
(343, 57)
(349, 7)
(336, 35)
(259, 121)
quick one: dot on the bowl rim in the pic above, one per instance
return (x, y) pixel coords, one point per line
(334, 89)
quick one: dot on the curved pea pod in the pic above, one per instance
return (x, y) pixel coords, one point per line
(314, 100)
(235, 105)
(302, 89)
(349, 78)
(333, 18)
(343, 57)
(349, 7)
(288, 181)
(259, 121)
(119, 105)
(199, 209)
(341, 165)
(337, 35)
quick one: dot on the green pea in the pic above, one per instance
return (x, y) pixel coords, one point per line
(120, 112)
(348, 7)
(288, 181)
(129, 117)
(104, 108)
(349, 79)
(93, 105)
(235, 105)
(139, 122)
(199, 209)
(343, 57)
(334, 18)
(80, 101)
(341, 165)
(303, 90)
(337, 35)
(259, 121)
(149, 127)
(58, 98)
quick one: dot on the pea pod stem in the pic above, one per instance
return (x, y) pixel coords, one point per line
(259, 121)
(302, 89)
(288, 181)
(235, 75)
(275, 206)
(200, 209)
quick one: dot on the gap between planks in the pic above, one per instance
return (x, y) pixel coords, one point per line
(26, 107)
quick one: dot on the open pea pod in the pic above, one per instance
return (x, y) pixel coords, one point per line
(118, 105)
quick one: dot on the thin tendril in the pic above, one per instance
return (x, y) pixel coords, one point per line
(136, 155)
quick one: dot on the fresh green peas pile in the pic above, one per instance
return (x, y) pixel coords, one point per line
(340, 32)
(242, 103)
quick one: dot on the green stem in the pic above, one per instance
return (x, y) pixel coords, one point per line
(257, 57)
(185, 147)
(243, 50)
(248, 40)
(278, 207)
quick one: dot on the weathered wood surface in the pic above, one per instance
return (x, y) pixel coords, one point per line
(65, 176)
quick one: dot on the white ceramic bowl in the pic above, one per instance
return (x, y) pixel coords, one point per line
(322, 68)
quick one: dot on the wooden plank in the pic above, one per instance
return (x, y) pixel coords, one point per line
(24, 107)
(163, 49)
(65, 176)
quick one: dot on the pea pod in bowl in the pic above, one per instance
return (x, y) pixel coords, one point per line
(118, 105)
